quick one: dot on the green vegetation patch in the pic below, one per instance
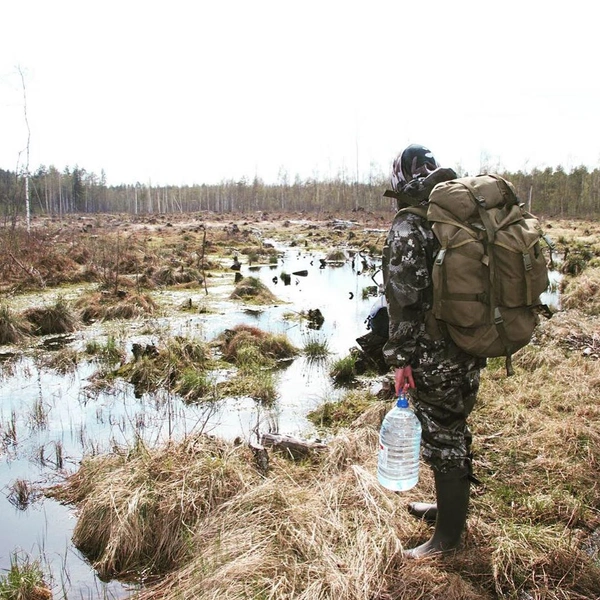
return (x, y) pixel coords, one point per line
(335, 415)
(180, 366)
(250, 347)
(24, 581)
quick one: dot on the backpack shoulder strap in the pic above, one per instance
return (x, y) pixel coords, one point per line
(404, 200)
(421, 211)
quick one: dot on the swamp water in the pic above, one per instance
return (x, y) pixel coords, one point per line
(49, 420)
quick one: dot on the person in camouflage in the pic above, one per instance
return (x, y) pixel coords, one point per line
(445, 380)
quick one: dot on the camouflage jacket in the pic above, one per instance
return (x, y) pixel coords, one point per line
(407, 264)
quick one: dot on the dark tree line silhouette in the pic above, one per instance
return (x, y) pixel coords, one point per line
(551, 192)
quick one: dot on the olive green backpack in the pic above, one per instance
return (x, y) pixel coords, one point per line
(490, 271)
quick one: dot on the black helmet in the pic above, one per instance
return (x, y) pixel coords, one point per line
(414, 161)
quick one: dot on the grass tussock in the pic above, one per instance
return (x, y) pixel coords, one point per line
(106, 306)
(54, 319)
(137, 512)
(177, 276)
(315, 348)
(250, 346)
(253, 289)
(343, 370)
(180, 366)
(13, 327)
(342, 413)
(260, 385)
(255, 353)
(25, 580)
(336, 256)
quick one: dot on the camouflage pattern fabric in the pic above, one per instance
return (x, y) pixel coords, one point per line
(443, 398)
(446, 378)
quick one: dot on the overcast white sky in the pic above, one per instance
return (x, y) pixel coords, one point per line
(184, 92)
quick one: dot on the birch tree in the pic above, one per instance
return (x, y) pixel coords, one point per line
(27, 200)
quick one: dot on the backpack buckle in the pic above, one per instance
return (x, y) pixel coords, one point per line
(439, 259)
(527, 261)
(498, 320)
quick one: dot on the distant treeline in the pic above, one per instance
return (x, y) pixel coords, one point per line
(549, 192)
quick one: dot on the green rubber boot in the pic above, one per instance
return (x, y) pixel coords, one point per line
(423, 510)
(452, 495)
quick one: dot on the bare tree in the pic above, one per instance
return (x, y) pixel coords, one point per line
(27, 200)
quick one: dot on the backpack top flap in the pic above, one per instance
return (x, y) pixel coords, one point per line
(463, 197)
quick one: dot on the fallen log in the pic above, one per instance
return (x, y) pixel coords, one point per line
(297, 449)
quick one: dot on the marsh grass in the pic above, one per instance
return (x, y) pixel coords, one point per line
(62, 361)
(128, 518)
(169, 367)
(109, 352)
(106, 306)
(252, 289)
(21, 494)
(325, 528)
(343, 370)
(196, 518)
(256, 354)
(342, 413)
(24, 580)
(177, 276)
(260, 385)
(251, 347)
(38, 416)
(194, 385)
(582, 292)
(13, 327)
(53, 319)
(315, 348)
(336, 256)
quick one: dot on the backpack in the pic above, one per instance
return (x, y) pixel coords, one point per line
(489, 271)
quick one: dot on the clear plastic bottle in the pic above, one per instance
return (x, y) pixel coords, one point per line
(399, 448)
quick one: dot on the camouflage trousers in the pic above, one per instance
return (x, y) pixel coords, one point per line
(444, 397)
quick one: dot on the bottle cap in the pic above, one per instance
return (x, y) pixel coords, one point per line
(402, 401)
